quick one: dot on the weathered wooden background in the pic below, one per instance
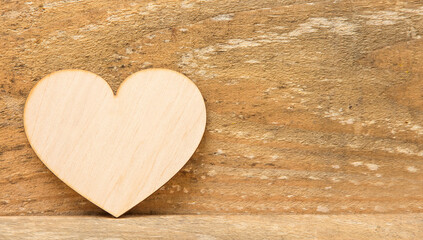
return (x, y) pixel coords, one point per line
(314, 107)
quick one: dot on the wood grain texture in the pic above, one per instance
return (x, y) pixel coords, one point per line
(345, 227)
(115, 150)
(313, 106)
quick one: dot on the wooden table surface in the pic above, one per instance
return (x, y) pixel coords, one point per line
(315, 114)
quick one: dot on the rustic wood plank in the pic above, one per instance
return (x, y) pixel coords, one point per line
(313, 106)
(354, 227)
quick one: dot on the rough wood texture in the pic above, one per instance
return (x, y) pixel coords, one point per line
(345, 227)
(313, 106)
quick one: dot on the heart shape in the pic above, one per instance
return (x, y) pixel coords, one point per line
(115, 150)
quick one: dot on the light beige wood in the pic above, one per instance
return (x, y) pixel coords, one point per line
(287, 227)
(115, 150)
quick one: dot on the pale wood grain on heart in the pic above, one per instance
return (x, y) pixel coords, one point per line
(313, 106)
(354, 227)
(115, 150)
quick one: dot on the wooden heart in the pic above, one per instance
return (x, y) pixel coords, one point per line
(115, 150)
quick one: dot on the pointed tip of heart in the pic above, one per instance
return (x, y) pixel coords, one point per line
(116, 215)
